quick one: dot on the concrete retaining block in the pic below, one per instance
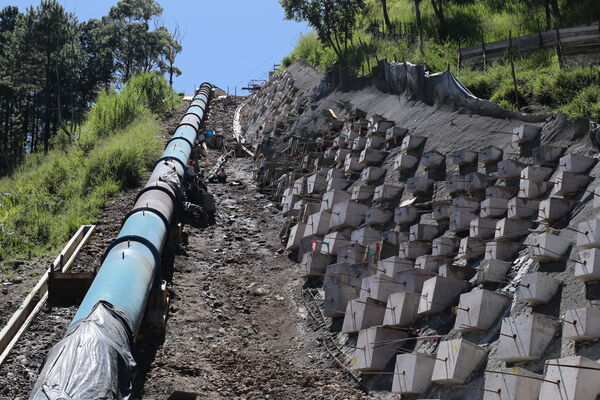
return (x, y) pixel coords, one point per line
(362, 314)
(538, 288)
(547, 247)
(492, 271)
(412, 373)
(514, 383)
(575, 383)
(437, 293)
(456, 360)
(479, 308)
(528, 335)
(401, 310)
(581, 324)
(375, 348)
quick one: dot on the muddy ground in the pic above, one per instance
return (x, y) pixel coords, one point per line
(239, 325)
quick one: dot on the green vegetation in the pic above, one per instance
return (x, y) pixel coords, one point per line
(447, 25)
(50, 195)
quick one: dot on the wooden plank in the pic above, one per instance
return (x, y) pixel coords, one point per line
(23, 316)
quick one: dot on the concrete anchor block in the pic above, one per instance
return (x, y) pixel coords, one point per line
(366, 236)
(380, 286)
(422, 232)
(470, 248)
(538, 288)
(334, 240)
(547, 155)
(510, 169)
(340, 155)
(438, 293)
(337, 296)
(362, 193)
(362, 314)
(375, 347)
(477, 181)
(372, 174)
(453, 271)
(335, 173)
(387, 192)
(412, 279)
(347, 214)
(395, 134)
(460, 221)
(382, 126)
(554, 209)
(525, 133)
(296, 234)
(314, 263)
(333, 197)
(596, 201)
(391, 266)
(581, 324)
(377, 217)
(353, 253)
(514, 229)
(375, 142)
(404, 162)
(572, 383)
(588, 236)
(433, 159)
(372, 157)
(308, 208)
(490, 155)
(429, 263)
(405, 215)
(352, 164)
(492, 271)
(482, 228)
(547, 247)
(511, 384)
(444, 246)
(531, 189)
(359, 143)
(568, 184)
(501, 249)
(501, 192)
(411, 249)
(456, 360)
(412, 373)
(401, 309)
(479, 308)
(536, 174)
(464, 157)
(525, 337)
(288, 202)
(493, 207)
(576, 163)
(521, 208)
(441, 211)
(299, 187)
(588, 268)
(337, 184)
(463, 203)
(411, 143)
(318, 224)
(456, 184)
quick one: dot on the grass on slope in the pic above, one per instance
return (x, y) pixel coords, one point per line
(46, 200)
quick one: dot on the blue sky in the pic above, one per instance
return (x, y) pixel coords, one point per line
(227, 42)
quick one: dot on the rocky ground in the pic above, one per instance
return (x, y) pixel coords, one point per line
(239, 325)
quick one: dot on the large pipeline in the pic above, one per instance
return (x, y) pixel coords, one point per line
(94, 360)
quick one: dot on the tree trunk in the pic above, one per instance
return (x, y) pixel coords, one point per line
(386, 16)
(438, 9)
(556, 12)
(419, 24)
(548, 15)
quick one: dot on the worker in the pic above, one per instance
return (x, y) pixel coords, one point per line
(221, 176)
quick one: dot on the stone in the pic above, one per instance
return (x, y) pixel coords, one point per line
(387, 192)
(525, 337)
(456, 360)
(362, 314)
(581, 324)
(480, 308)
(401, 309)
(512, 383)
(575, 383)
(412, 373)
(576, 163)
(375, 347)
(547, 247)
(438, 293)
(492, 271)
(537, 288)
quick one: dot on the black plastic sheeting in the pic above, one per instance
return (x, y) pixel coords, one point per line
(105, 372)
